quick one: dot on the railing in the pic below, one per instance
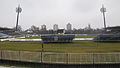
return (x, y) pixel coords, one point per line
(64, 58)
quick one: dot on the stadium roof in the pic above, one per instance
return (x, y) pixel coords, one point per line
(114, 28)
(1, 28)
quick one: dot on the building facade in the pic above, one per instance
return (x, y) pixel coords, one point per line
(55, 27)
(43, 27)
(69, 26)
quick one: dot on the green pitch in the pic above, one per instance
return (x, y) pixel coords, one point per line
(75, 47)
(85, 36)
(77, 36)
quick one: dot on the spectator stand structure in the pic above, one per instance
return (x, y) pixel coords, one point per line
(58, 37)
(112, 34)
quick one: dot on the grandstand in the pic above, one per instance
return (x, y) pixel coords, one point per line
(113, 30)
(57, 38)
(112, 34)
(3, 36)
(8, 31)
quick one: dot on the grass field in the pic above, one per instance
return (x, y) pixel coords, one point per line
(75, 47)
(77, 36)
(85, 36)
(18, 65)
(34, 37)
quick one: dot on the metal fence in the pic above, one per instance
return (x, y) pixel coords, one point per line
(64, 58)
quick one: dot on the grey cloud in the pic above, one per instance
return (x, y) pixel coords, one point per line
(49, 12)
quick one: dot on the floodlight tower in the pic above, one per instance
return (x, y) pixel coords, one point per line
(18, 10)
(103, 10)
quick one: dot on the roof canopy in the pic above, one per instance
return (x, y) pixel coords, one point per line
(114, 28)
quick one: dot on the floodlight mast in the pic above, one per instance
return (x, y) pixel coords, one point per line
(18, 10)
(103, 10)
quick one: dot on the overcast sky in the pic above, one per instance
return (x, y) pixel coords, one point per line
(79, 13)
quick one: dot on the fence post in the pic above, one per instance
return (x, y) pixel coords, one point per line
(93, 60)
(41, 57)
(42, 46)
(1, 54)
(19, 55)
(67, 59)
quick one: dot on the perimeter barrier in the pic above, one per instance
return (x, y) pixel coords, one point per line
(62, 58)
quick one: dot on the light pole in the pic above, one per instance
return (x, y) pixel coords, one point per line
(42, 46)
(18, 10)
(103, 10)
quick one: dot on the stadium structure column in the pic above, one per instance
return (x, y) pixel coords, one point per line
(103, 10)
(18, 10)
